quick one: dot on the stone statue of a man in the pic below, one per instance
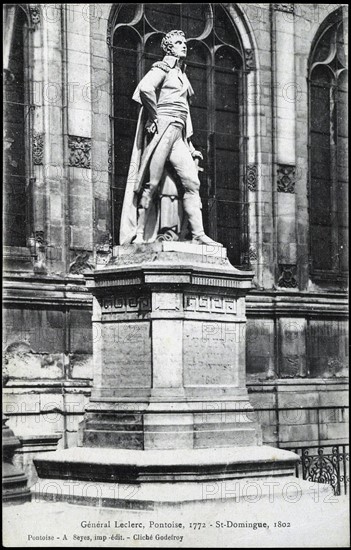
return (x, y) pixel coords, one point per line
(163, 93)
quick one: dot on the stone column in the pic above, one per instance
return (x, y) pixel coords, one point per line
(253, 169)
(78, 136)
(285, 153)
(48, 154)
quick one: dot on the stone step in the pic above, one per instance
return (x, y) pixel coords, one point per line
(132, 466)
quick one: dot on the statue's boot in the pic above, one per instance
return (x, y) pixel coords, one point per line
(142, 208)
(191, 205)
(139, 238)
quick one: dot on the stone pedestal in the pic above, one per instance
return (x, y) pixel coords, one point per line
(169, 350)
(169, 401)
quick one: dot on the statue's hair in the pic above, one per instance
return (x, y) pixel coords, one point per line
(167, 41)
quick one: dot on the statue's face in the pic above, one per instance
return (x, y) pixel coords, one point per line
(179, 47)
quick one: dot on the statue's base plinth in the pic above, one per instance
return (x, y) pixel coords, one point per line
(140, 479)
(162, 424)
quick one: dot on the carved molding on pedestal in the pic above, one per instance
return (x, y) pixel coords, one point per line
(126, 304)
(125, 281)
(80, 151)
(286, 178)
(287, 276)
(214, 281)
(209, 304)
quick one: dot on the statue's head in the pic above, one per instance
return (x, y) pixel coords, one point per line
(174, 43)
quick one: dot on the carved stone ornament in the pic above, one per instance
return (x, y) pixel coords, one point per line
(103, 251)
(39, 237)
(109, 34)
(251, 177)
(126, 304)
(288, 8)
(35, 14)
(244, 258)
(109, 159)
(249, 59)
(287, 278)
(252, 253)
(38, 148)
(80, 151)
(37, 244)
(286, 178)
(8, 76)
(81, 264)
(210, 304)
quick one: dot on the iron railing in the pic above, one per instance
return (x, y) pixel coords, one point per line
(328, 464)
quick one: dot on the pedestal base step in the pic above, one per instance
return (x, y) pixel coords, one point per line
(189, 496)
(132, 466)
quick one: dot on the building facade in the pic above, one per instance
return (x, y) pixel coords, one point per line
(269, 116)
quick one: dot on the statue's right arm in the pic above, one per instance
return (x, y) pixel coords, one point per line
(147, 90)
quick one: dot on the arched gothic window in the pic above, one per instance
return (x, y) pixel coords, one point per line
(328, 151)
(215, 69)
(16, 29)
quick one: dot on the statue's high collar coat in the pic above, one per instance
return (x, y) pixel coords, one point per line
(138, 168)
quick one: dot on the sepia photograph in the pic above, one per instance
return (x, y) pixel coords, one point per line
(175, 276)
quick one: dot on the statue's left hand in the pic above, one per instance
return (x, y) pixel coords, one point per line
(151, 126)
(197, 155)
